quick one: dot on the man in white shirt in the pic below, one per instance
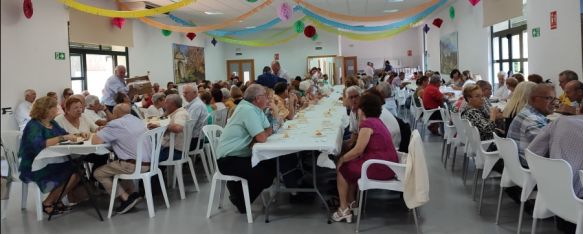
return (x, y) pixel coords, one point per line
(23, 109)
(178, 117)
(279, 72)
(502, 91)
(196, 109)
(113, 85)
(369, 69)
(156, 110)
(94, 111)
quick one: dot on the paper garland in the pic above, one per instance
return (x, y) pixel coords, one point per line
(388, 17)
(360, 36)
(125, 14)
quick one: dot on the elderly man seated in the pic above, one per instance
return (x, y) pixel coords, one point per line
(178, 117)
(156, 109)
(95, 112)
(502, 91)
(564, 78)
(23, 109)
(197, 111)
(121, 133)
(248, 125)
(574, 92)
(532, 118)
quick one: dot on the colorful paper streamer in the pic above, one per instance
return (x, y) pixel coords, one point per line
(361, 36)
(125, 14)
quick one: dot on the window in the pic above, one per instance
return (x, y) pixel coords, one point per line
(509, 48)
(91, 65)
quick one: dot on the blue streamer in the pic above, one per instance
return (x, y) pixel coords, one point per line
(386, 27)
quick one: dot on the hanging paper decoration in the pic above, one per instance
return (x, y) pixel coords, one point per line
(118, 22)
(251, 0)
(363, 36)
(214, 42)
(315, 37)
(451, 12)
(426, 28)
(437, 22)
(285, 11)
(474, 2)
(166, 32)
(125, 13)
(191, 35)
(309, 31)
(299, 26)
(27, 8)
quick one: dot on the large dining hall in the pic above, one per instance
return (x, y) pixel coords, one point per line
(291, 116)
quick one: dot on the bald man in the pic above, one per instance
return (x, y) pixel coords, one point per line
(122, 133)
(196, 109)
(574, 92)
(532, 118)
(113, 85)
(279, 72)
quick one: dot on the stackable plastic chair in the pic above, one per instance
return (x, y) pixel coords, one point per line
(457, 140)
(484, 162)
(154, 139)
(213, 132)
(555, 194)
(416, 112)
(514, 175)
(448, 135)
(200, 151)
(427, 114)
(219, 117)
(184, 158)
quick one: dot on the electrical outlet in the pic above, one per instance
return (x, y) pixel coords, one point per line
(6, 110)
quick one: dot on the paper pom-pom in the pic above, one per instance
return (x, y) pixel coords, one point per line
(315, 37)
(166, 32)
(426, 28)
(437, 22)
(309, 31)
(299, 26)
(214, 42)
(474, 2)
(451, 12)
(251, 0)
(191, 35)
(118, 22)
(27, 8)
(285, 11)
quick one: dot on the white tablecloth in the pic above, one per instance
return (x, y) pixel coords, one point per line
(301, 132)
(57, 153)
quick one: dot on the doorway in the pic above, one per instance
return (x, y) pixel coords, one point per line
(350, 67)
(327, 63)
(244, 69)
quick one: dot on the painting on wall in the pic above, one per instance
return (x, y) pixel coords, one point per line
(449, 52)
(188, 63)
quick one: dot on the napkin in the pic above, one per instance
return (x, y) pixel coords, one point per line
(324, 161)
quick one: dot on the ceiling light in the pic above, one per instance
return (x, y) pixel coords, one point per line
(213, 13)
(250, 27)
(391, 11)
(396, 0)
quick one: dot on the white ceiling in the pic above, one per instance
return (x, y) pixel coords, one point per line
(234, 8)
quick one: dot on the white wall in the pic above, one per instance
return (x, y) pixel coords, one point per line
(394, 48)
(473, 39)
(292, 56)
(28, 50)
(559, 49)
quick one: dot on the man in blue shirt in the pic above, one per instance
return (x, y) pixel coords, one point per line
(247, 126)
(268, 79)
(113, 85)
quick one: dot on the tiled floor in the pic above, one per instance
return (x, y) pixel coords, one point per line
(450, 210)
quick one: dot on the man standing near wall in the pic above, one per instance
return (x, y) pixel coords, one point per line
(279, 72)
(114, 84)
(369, 69)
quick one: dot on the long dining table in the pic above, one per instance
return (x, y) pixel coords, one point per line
(318, 128)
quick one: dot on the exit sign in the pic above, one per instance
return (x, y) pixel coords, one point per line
(59, 55)
(536, 32)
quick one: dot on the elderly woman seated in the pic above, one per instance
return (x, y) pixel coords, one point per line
(477, 114)
(42, 132)
(374, 142)
(95, 112)
(156, 109)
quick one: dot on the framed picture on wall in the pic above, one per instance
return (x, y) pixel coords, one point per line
(448, 52)
(188, 63)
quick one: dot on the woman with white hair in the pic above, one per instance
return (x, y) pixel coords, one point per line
(156, 109)
(95, 111)
(229, 102)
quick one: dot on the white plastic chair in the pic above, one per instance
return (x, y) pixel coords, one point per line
(396, 184)
(484, 162)
(200, 151)
(219, 117)
(555, 194)
(427, 114)
(448, 135)
(213, 132)
(154, 139)
(416, 112)
(457, 140)
(401, 97)
(514, 175)
(184, 158)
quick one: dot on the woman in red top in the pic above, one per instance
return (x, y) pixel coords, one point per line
(432, 99)
(374, 142)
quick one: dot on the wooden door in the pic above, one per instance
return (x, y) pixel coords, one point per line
(244, 69)
(350, 68)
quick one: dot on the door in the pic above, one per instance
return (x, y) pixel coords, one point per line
(244, 69)
(350, 68)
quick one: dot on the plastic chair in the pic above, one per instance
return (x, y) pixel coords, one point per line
(401, 98)
(213, 132)
(458, 139)
(154, 139)
(514, 175)
(219, 117)
(200, 151)
(396, 184)
(416, 112)
(184, 158)
(469, 149)
(448, 135)
(484, 162)
(427, 114)
(555, 194)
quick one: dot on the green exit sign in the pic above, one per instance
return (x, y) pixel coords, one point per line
(59, 55)
(536, 32)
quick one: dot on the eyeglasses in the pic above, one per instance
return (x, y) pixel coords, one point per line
(549, 98)
(353, 97)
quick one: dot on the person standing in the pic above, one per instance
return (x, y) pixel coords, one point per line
(279, 72)
(369, 69)
(388, 66)
(23, 109)
(115, 83)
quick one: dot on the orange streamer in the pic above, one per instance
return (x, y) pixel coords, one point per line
(387, 17)
(203, 28)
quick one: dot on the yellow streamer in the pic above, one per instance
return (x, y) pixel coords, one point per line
(125, 14)
(204, 28)
(360, 36)
(388, 17)
(262, 43)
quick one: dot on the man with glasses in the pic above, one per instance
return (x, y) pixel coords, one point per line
(532, 118)
(574, 92)
(247, 126)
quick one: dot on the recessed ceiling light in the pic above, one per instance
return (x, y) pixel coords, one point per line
(213, 13)
(240, 21)
(391, 11)
(249, 27)
(396, 0)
